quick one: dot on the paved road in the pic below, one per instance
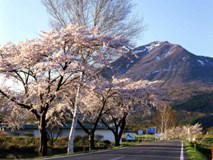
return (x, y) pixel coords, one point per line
(155, 151)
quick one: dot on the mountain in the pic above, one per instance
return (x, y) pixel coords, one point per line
(187, 79)
(172, 64)
(198, 109)
(183, 73)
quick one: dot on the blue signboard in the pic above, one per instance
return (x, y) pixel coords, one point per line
(151, 130)
(140, 132)
(130, 136)
(157, 135)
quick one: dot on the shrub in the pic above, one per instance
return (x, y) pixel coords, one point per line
(81, 141)
(61, 142)
(107, 143)
(4, 134)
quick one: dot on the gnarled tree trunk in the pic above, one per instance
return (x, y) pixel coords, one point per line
(92, 141)
(43, 134)
(119, 128)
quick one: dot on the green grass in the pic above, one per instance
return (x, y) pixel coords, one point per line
(17, 147)
(206, 140)
(125, 144)
(194, 154)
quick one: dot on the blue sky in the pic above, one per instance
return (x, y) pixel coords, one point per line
(185, 22)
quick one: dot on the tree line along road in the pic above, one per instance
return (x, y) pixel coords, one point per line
(165, 150)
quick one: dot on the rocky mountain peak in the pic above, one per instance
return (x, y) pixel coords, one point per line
(184, 75)
(163, 61)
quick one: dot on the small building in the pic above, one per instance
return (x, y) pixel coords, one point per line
(32, 130)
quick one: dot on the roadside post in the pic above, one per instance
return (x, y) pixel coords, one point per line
(212, 151)
(195, 146)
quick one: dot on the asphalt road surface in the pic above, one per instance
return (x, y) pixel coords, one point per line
(170, 150)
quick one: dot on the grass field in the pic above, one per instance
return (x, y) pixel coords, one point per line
(197, 152)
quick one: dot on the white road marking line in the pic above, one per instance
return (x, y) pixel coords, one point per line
(181, 153)
(117, 158)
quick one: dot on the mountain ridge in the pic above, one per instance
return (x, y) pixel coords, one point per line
(186, 77)
(180, 70)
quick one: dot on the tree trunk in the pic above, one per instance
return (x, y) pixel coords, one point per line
(119, 128)
(91, 133)
(92, 141)
(117, 140)
(70, 148)
(43, 136)
(122, 125)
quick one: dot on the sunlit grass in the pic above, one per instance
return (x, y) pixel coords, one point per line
(192, 153)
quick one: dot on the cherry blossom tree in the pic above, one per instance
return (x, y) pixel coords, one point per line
(111, 17)
(95, 103)
(115, 120)
(109, 99)
(4, 111)
(186, 132)
(192, 131)
(129, 99)
(42, 70)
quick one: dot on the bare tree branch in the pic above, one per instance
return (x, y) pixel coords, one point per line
(112, 17)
